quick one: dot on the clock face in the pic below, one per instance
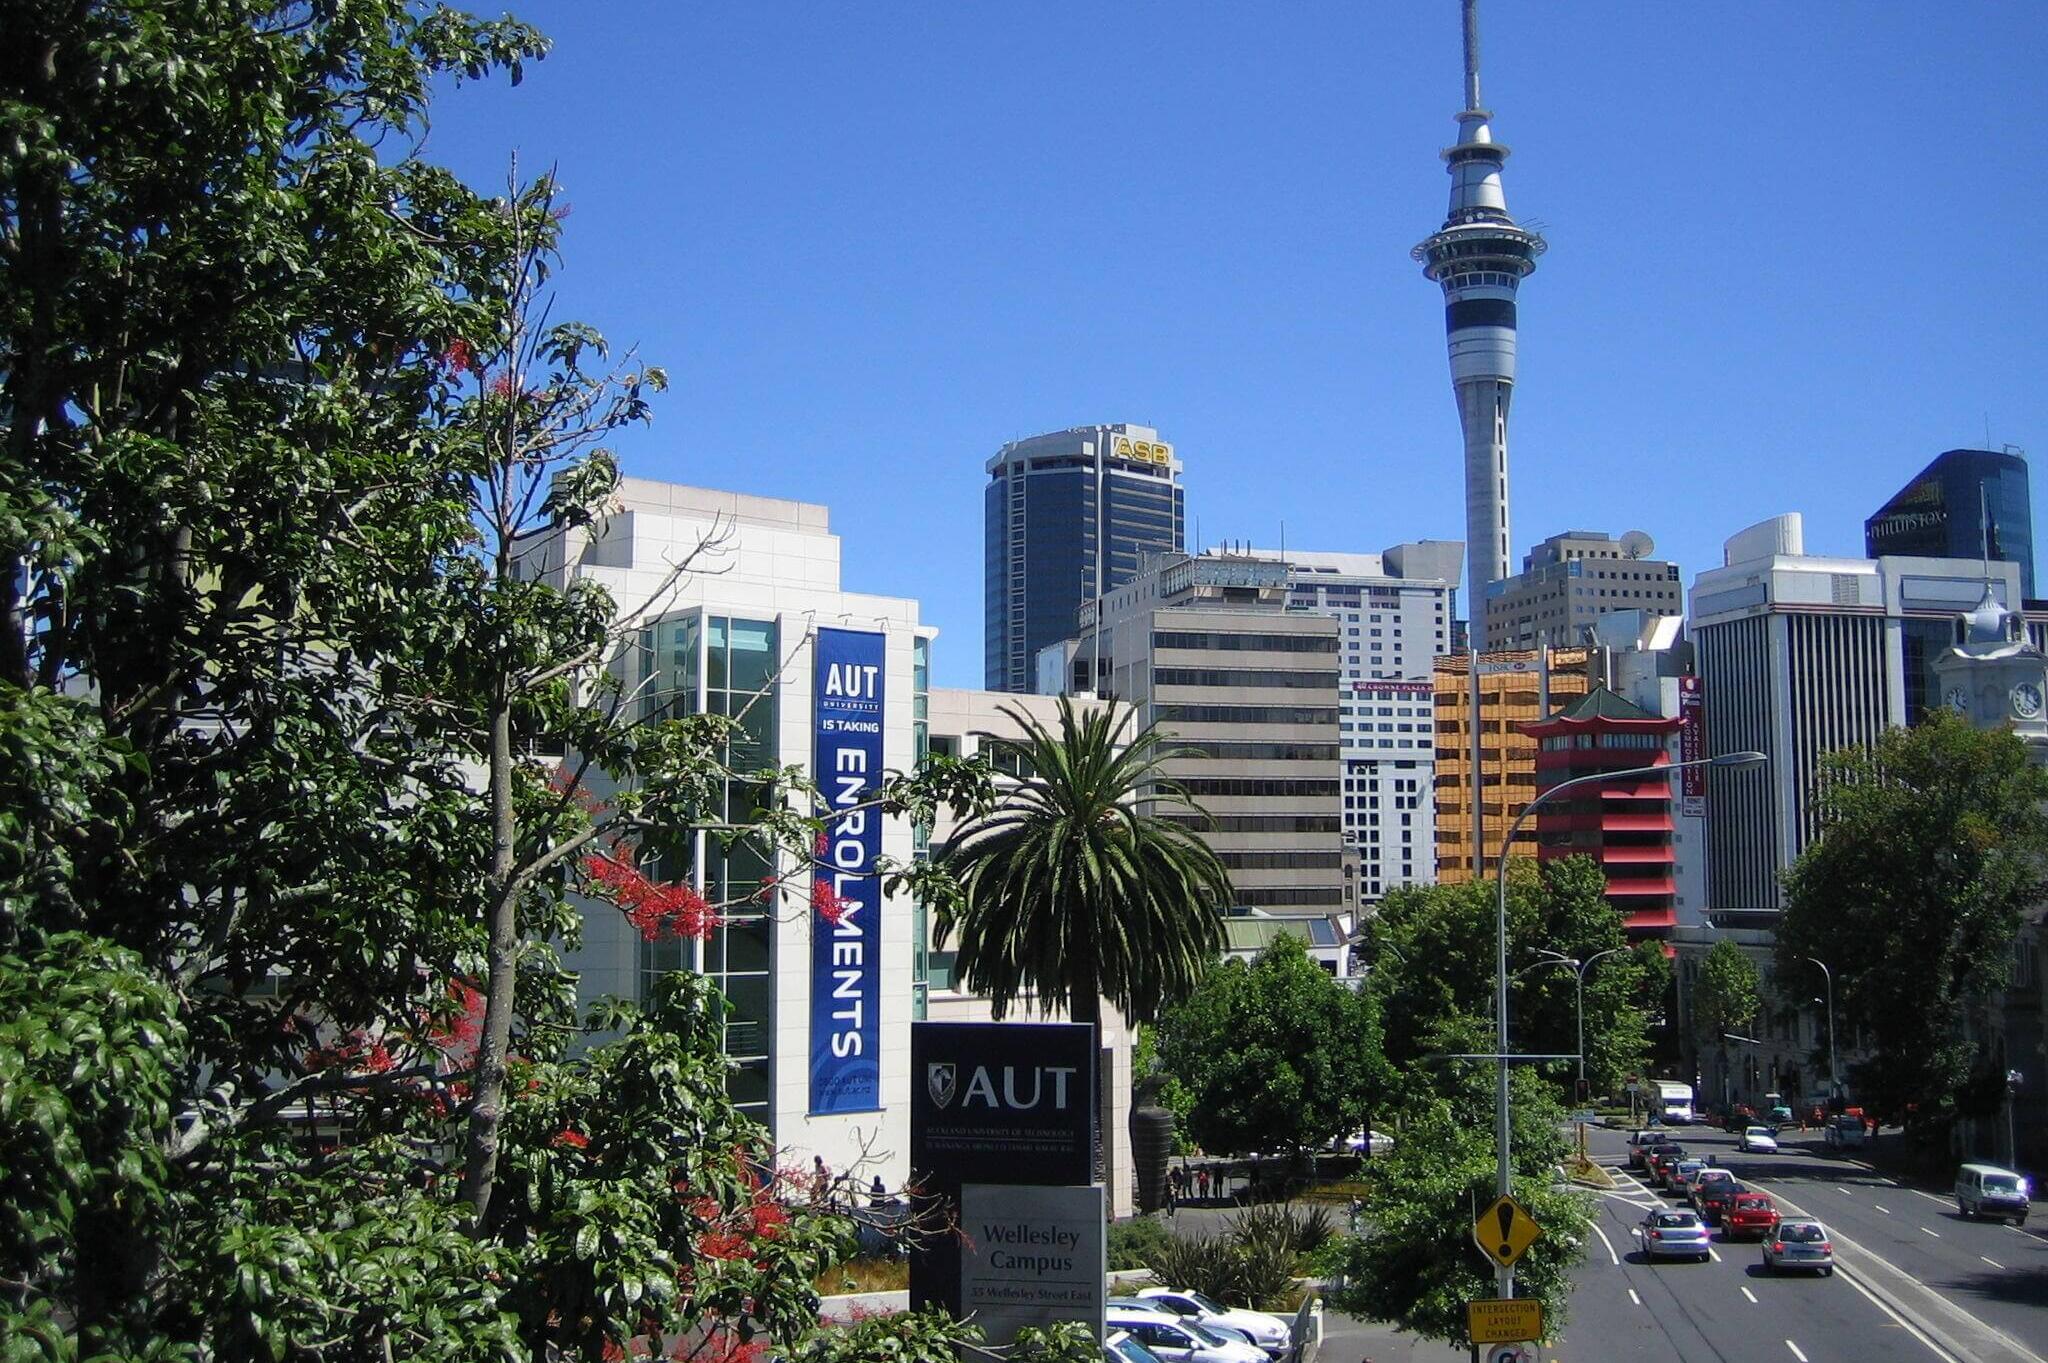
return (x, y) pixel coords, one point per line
(2026, 700)
(1957, 699)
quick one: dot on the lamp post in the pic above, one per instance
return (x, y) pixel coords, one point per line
(1579, 968)
(1834, 1074)
(1503, 1174)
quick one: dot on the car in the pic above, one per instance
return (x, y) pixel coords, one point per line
(1779, 1117)
(1758, 1140)
(1366, 1142)
(1799, 1242)
(1269, 1332)
(1639, 1144)
(1678, 1181)
(1988, 1190)
(1749, 1213)
(1739, 1117)
(1175, 1340)
(1121, 1348)
(1674, 1233)
(1712, 1191)
(1845, 1131)
(1660, 1155)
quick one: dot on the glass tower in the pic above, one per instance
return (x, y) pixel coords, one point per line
(1966, 504)
(1069, 516)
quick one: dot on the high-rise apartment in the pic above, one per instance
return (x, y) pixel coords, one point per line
(1394, 611)
(1480, 257)
(1966, 504)
(1569, 581)
(1515, 688)
(1068, 517)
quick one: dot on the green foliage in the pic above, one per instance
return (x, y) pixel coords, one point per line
(1416, 1266)
(921, 1337)
(1172, 1094)
(1297, 1230)
(1067, 1342)
(1727, 994)
(1276, 1055)
(1071, 891)
(1931, 843)
(1256, 1273)
(1135, 1243)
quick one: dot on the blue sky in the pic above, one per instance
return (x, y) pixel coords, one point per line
(872, 242)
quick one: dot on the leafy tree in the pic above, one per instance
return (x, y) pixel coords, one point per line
(298, 768)
(1415, 1266)
(1072, 889)
(1276, 1055)
(1931, 843)
(1727, 994)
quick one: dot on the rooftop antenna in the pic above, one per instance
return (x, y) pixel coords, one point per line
(1472, 54)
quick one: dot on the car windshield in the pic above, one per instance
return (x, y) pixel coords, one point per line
(1716, 1176)
(2001, 1183)
(1802, 1232)
(1752, 1204)
(1206, 1304)
(1204, 1333)
(1131, 1351)
(1676, 1220)
(1758, 1131)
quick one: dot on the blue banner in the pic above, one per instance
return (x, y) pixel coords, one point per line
(846, 934)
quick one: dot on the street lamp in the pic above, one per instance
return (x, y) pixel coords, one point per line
(1503, 1174)
(1580, 967)
(1834, 1074)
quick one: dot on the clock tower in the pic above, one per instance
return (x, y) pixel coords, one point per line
(1994, 678)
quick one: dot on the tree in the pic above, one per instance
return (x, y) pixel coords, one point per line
(1415, 1266)
(1930, 844)
(1074, 889)
(298, 771)
(1277, 1055)
(1727, 994)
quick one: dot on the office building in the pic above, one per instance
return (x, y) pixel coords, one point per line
(1570, 581)
(1394, 612)
(1068, 517)
(1205, 647)
(1479, 257)
(1515, 688)
(1966, 504)
(1799, 655)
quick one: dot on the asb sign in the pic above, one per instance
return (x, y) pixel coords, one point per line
(846, 951)
(1144, 451)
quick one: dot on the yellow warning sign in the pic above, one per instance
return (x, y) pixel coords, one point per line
(1505, 1231)
(1516, 1320)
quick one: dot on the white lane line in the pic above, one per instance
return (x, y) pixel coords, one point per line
(1751, 1295)
(1886, 1210)
(1610, 1245)
(1899, 1320)
(1843, 1191)
(1993, 1262)
(1935, 1233)
(1713, 1254)
(1634, 1298)
(1795, 1351)
(1929, 1196)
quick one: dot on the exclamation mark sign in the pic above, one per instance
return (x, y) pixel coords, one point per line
(1506, 1214)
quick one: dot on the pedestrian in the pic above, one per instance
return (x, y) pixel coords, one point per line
(878, 1195)
(821, 1178)
(1202, 1182)
(1176, 1185)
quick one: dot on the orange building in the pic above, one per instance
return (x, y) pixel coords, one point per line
(1512, 692)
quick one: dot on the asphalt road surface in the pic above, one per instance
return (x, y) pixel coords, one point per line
(1914, 1282)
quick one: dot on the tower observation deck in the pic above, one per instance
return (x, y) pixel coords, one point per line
(1480, 257)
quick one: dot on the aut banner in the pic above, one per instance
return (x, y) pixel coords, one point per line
(846, 943)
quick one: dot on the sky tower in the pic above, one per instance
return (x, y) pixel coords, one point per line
(1479, 256)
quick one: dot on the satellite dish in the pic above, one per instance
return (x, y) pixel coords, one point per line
(1636, 544)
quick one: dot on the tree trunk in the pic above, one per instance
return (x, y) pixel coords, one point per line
(481, 1168)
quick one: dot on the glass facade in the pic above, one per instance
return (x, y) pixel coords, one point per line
(1966, 504)
(736, 661)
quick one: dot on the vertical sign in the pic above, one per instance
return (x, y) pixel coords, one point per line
(846, 946)
(1692, 746)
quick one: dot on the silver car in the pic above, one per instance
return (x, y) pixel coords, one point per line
(1674, 1234)
(1800, 1242)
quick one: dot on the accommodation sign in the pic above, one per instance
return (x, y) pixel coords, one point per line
(1692, 746)
(846, 944)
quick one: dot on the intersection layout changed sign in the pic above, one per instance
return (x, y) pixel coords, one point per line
(1504, 1320)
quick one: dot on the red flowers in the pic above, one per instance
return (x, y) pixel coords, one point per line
(826, 901)
(571, 1139)
(655, 910)
(460, 358)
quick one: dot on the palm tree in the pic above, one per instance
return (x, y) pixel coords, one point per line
(1070, 890)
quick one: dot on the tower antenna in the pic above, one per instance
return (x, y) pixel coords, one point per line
(1472, 54)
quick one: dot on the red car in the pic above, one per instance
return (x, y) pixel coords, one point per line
(1750, 1214)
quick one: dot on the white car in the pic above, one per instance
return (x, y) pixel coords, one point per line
(1267, 1331)
(1363, 1143)
(1758, 1140)
(1180, 1341)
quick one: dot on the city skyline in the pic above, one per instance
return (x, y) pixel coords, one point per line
(872, 249)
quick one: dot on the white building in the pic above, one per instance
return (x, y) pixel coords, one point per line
(1394, 613)
(1800, 655)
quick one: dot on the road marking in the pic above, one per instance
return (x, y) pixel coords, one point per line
(1713, 1254)
(1929, 1196)
(1935, 1233)
(1634, 1298)
(1795, 1351)
(1751, 1295)
(1843, 1191)
(1899, 1320)
(1886, 1210)
(1610, 1245)
(1993, 1262)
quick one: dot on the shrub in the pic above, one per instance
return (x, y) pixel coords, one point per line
(1280, 1228)
(1135, 1243)
(1256, 1272)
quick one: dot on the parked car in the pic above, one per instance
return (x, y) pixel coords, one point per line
(1679, 1180)
(1799, 1243)
(1269, 1332)
(1750, 1213)
(1121, 1348)
(1845, 1131)
(1758, 1140)
(1712, 1191)
(1988, 1190)
(1363, 1143)
(1739, 1117)
(1674, 1233)
(1180, 1341)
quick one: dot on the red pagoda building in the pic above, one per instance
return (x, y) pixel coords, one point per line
(1624, 825)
